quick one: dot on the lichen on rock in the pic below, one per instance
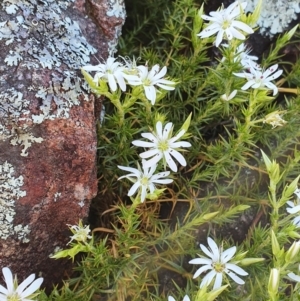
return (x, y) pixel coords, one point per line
(10, 192)
(275, 16)
(38, 37)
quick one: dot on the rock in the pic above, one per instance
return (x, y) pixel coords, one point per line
(47, 125)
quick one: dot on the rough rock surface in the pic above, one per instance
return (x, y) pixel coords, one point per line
(47, 125)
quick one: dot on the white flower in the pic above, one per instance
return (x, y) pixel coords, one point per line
(223, 21)
(230, 96)
(162, 146)
(295, 208)
(144, 180)
(247, 61)
(258, 79)
(13, 292)
(113, 73)
(153, 78)
(185, 298)
(80, 232)
(275, 119)
(218, 264)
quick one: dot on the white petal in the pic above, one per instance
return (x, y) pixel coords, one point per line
(133, 189)
(3, 290)
(228, 254)
(270, 70)
(25, 283)
(150, 93)
(201, 261)
(143, 194)
(208, 32)
(236, 269)
(244, 75)
(178, 156)
(160, 74)
(207, 252)
(201, 270)
(153, 160)
(235, 278)
(219, 37)
(208, 278)
(272, 87)
(274, 76)
(160, 175)
(150, 136)
(247, 85)
(214, 248)
(168, 127)
(294, 277)
(163, 181)
(186, 298)
(142, 143)
(170, 298)
(165, 87)
(130, 169)
(8, 277)
(244, 27)
(218, 281)
(180, 144)
(151, 153)
(120, 79)
(170, 161)
(236, 34)
(159, 129)
(35, 285)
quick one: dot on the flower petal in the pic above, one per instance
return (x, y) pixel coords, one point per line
(34, 286)
(236, 269)
(218, 281)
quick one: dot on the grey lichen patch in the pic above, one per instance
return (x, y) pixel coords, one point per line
(13, 110)
(14, 113)
(275, 16)
(9, 193)
(25, 139)
(117, 9)
(38, 36)
(50, 40)
(63, 91)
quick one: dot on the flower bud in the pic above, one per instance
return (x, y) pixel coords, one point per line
(273, 283)
(292, 251)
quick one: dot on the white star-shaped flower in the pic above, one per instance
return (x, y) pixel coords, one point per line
(152, 78)
(80, 232)
(242, 55)
(113, 73)
(257, 79)
(18, 292)
(185, 298)
(144, 180)
(163, 146)
(218, 263)
(223, 21)
(295, 208)
(247, 60)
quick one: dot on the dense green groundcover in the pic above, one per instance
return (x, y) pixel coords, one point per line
(243, 163)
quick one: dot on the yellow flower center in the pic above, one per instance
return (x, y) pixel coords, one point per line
(14, 297)
(163, 145)
(218, 267)
(144, 181)
(147, 82)
(226, 24)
